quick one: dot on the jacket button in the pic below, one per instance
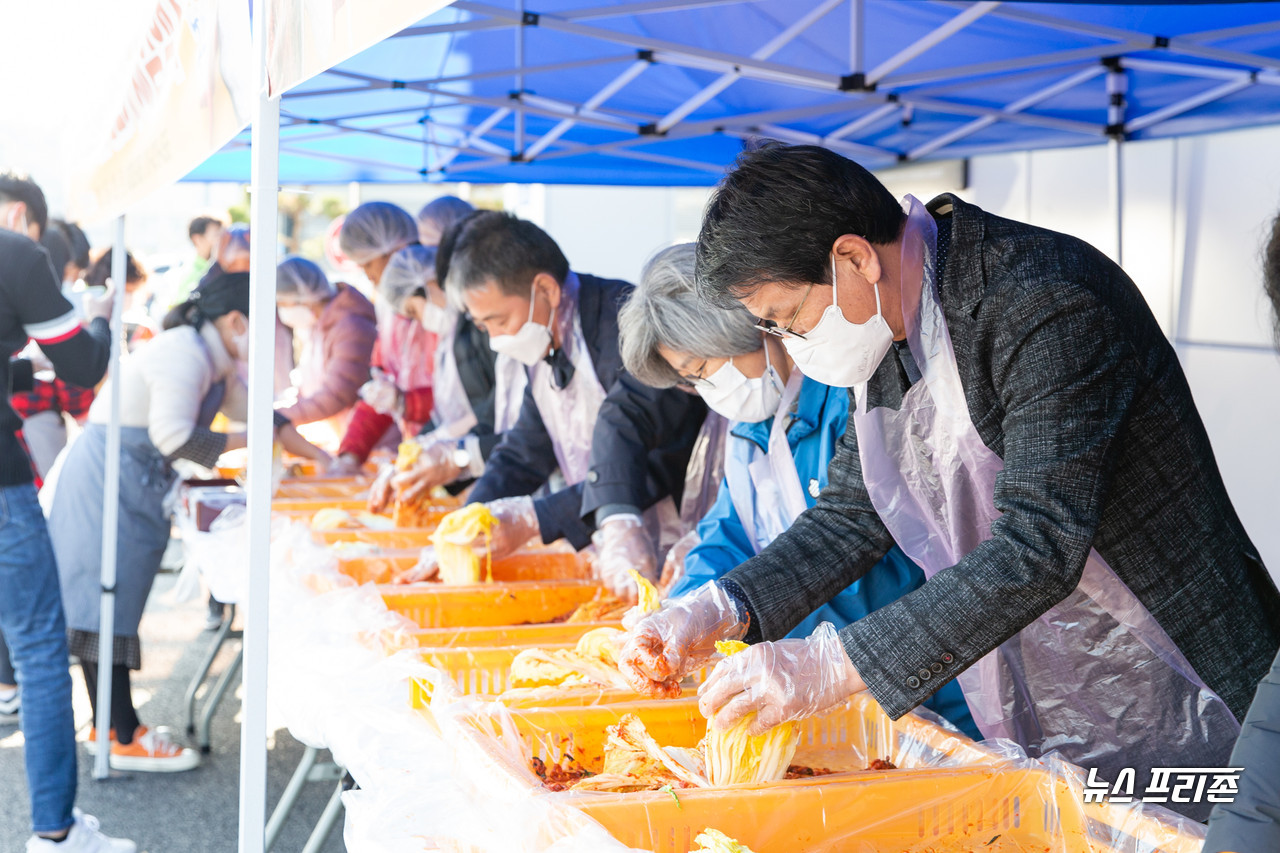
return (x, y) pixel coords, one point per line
(925, 675)
(913, 682)
(947, 657)
(936, 667)
(814, 488)
(592, 476)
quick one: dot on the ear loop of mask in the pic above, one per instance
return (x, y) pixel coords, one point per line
(875, 286)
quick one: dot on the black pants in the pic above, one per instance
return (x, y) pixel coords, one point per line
(124, 719)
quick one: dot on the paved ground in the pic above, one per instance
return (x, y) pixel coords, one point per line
(193, 812)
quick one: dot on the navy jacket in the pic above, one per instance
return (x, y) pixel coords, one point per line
(646, 434)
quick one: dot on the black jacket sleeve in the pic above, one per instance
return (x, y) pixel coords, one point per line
(641, 445)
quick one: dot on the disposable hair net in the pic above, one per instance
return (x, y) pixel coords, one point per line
(376, 228)
(436, 217)
(303, 280)
(408, 271)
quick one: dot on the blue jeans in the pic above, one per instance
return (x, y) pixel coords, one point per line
(34, 627)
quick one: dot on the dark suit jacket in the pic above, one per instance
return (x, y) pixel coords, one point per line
(1071, 381)
(525, 457)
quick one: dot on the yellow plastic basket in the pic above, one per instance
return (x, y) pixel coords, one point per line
(987, 805)
(433, 605)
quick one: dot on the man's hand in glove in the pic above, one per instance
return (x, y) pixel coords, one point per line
(781, 681)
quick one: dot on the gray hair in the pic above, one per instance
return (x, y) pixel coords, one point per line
(436, 217)
(376, 228)
(504, 249)
(408, 271)
(665, 311)
(303, 280)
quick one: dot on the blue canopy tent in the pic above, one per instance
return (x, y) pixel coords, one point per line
(666, 92)
(663, 92)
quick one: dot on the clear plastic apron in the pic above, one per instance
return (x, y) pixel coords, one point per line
(704, 472)
(510, 379)
(453, 416)
(570, 413)
(765, 486)
(1095, 678)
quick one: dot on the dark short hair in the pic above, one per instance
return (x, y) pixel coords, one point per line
(100, 269)
(505, 249)
(76, 238)
(201, 224)
(16, 186)
(444, 251)
(775, 216)
(1271, 275)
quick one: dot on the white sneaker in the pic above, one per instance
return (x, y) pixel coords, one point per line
(10, 705)
(84, 837)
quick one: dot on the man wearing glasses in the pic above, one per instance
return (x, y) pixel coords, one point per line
(1021, 428)
(621, 447)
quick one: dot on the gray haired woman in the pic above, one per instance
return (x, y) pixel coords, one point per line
(782, 436)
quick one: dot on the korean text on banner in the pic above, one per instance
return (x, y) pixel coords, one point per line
(188, 92)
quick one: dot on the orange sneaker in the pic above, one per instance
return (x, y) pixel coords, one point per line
(91, 745)
(152, 751)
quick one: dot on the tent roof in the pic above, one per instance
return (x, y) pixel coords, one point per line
(664, 92)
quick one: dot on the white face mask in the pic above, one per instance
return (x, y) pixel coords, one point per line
(528, 345)
(297, 317)
(838, 353)
(435, 318)
(736, 396)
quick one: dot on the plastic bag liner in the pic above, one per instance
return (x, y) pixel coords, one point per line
(948, 794)
(206, 555)
(456, 775)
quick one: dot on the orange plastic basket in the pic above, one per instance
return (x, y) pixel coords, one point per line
(433, 605)
(987, 805)
(304, 508)
(395, 538)
(533, 566)
(505, 635)
(336, 488)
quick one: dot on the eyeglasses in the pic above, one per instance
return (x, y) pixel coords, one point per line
(769, 327)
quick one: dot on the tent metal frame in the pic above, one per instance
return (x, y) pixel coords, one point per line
(869, 97)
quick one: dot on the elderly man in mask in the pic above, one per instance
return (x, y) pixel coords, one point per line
(580, 411)
(1021, 428)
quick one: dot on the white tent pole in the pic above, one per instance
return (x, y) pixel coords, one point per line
(857, 36)
(110, 517)
(264, 180)
(1117, 86)
(518, 146)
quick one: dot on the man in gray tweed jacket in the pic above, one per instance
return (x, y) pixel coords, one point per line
(1067, 377)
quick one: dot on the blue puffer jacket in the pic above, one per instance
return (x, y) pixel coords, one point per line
(822, 414)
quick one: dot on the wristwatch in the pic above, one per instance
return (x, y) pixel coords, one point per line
(461, 457)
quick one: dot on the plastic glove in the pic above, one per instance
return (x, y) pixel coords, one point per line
(782, 681)
(434, 467)
(517, 524)
(622, 543)
(345, 465)
(97, 303)
(381, 394)
(673, 565)
(381, 491)
(663, 647)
